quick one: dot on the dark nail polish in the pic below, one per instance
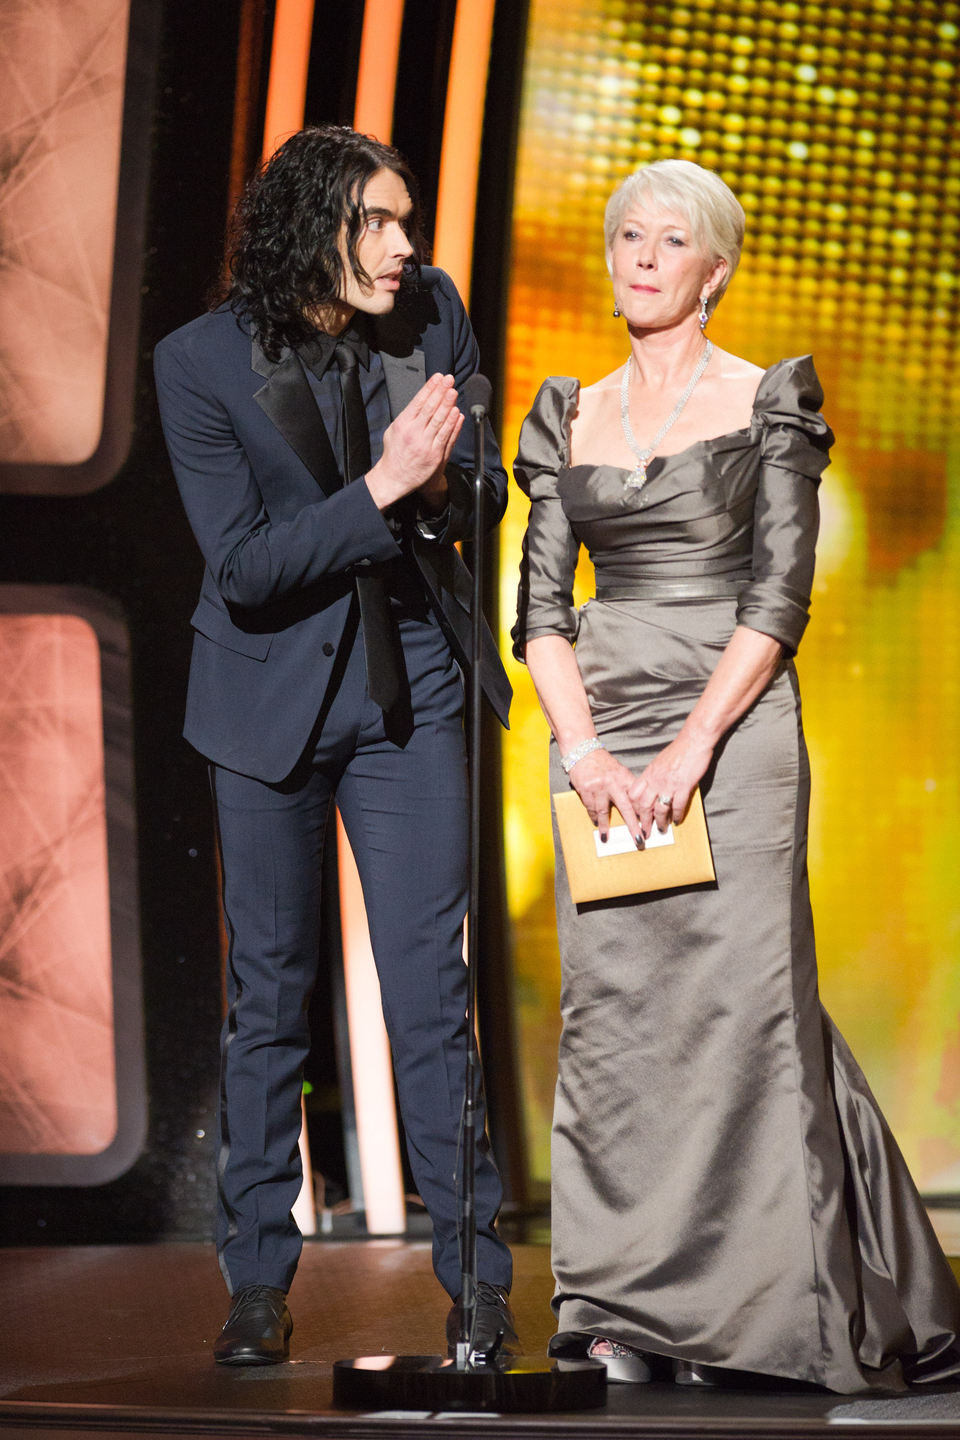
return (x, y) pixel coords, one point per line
(603, 837)
(641, 843)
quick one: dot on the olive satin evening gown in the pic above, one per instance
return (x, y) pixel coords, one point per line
(725, 1188)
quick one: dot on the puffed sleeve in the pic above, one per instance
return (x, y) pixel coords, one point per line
(795, 442)
(550, 549)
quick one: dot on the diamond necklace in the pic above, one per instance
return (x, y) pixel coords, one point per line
(639, 474)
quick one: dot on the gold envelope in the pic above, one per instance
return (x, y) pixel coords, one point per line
(685, 861)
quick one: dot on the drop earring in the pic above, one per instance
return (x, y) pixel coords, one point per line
(703, 317)
(616, 311)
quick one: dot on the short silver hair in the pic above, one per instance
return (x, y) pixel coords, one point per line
(706, 202)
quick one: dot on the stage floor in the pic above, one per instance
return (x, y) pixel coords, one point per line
(119, 1339)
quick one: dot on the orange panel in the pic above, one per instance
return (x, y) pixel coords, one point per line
(57, 1084)
(462, 135)
(61, 103)
(289, 62)
(369, 1048)
(377, 73)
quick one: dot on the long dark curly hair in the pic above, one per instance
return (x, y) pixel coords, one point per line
(283, 255)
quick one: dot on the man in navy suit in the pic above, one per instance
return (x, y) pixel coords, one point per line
(313, 427)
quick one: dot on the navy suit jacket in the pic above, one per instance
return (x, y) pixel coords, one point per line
(282, 537)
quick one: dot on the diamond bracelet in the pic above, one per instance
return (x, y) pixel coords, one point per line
(586, 747)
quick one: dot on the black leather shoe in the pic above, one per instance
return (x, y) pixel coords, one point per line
(258, 1328)
(494, 1330)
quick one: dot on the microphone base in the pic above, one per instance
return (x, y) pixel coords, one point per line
(512, 1384)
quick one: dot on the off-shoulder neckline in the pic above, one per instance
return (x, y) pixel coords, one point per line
(745, 431)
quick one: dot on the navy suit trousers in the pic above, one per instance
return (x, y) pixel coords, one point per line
(405, 809)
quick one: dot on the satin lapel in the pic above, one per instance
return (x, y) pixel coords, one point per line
(404, 376)
(287, 400)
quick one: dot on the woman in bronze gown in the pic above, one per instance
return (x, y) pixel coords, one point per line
(726, 1193)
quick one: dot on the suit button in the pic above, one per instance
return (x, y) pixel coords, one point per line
(327, 648)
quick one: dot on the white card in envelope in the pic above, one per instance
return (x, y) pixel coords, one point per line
(619, 841)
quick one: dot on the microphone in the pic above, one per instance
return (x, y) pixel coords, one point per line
(477, 393)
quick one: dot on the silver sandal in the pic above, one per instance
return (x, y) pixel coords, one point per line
(624, 1364)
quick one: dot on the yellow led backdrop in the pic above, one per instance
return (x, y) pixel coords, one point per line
(835, 125)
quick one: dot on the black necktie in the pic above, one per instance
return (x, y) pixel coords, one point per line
(381, 639)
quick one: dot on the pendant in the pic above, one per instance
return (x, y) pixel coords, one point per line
(637, 479)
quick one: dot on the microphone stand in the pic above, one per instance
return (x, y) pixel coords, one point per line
(473, 1380)
(479, 393)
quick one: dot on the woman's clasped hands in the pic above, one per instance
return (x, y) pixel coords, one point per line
(656, 797)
